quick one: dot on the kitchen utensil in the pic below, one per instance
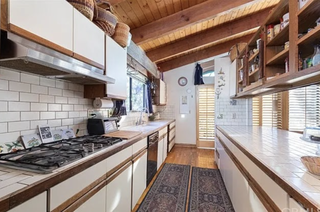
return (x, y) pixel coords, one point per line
(312, 163)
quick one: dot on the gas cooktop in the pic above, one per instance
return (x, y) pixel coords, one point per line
(48, 157)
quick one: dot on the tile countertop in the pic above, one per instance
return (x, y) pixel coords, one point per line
(14, 183)
(280, 152)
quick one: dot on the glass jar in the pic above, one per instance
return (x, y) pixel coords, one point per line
(316, 56)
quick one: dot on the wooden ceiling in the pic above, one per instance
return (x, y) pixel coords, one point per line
(178, 32)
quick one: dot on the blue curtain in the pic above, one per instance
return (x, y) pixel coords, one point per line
(119, 109)
(149, 97)
(198, 75)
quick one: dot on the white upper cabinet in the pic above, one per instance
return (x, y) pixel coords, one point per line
(233, 79)
(51, 20)
(163, 93)
(89, 40)
(116, 68)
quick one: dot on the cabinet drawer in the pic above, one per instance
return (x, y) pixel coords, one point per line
(171, 144)
(162, 132)
(36, 204)
(173, 124)
(172, 134)
(142, 144)
(119, 158)
(295, 207)
(139, 180)
(65, 190)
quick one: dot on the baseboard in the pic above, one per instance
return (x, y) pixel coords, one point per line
(186, 145)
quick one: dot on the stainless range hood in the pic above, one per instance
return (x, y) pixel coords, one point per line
(27, 56)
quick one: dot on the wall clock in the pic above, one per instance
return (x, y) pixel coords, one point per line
(182, 81)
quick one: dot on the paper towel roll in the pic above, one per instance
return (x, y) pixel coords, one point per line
(102, 103)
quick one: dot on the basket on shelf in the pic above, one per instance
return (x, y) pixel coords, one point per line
(235, 50)
(105, 20)
(86, 7)
(312, 164)
(122, 34)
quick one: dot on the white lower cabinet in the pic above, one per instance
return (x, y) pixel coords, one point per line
(165, 147)
(255, 204)
(294, 206)
(160, 153)
(139, 177)
(119, 191)
(96, 203)
(36, 204)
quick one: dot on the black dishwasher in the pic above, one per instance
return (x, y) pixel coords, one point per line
(152, 156)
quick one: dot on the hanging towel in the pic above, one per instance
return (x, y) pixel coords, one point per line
(198, 75)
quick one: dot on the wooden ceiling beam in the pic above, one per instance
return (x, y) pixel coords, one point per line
(208, 36)
(192, 15)
(202, 54)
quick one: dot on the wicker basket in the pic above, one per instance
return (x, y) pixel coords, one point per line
(121, 35)
(312, 164)
(86, 7)
(106, 21)
(235, 50)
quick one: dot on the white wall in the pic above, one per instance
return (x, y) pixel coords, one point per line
(185, 127)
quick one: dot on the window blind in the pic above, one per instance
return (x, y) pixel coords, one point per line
(304, 107)
(256, 111)
(206, 112)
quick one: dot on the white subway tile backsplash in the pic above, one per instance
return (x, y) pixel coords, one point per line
(19, 106)
(9, 75)
(39, 107)
(78, 94)
(73, 101)
(9, 96)
(66, 122)
(35, 124)
(47, 115)
(62, 115)
(78, 107)
(31, 79)
(74, 87)
(61, 100)
(67, 93)
(46, 99)
(3, 106)
(47, 82)
(67, 107)
(78, 121)
(9, 116)
(4, 85)
(18, 126)
(61, 84)
(74, 114)
(9, 137)
(30, 116)
(55, 91)
(29, 97)
(54, 123)
(29, 132)
(39, 89)
(54, 107)
(3, 127)
(85, 101)
(83, 114)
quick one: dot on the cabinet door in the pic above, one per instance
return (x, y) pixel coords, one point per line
(233, 78)
(139, 177)
(295, 207)
(51, 20)
(119, 191)
(160, 153)
(36, 204)
(165, 147)
(163, 94)
(96, 203)
(89, 40)
(116, 68)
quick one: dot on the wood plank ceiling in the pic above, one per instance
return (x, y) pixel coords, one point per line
(178, 32)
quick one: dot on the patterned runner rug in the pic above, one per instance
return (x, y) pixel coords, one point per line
(208, 192)
(169, 191)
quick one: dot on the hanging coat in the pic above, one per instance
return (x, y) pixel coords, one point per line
(198, 75)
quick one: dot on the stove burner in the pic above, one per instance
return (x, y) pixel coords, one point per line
(48, 157)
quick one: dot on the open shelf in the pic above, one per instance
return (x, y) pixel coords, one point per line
(253, 85)
(241, 67)
(307, 42)
(279, 58)
(253, 56)
(280, 38)
(308, 14)
(254, 72)
(240, 81)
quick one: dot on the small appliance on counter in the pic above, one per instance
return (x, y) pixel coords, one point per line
(312, 135)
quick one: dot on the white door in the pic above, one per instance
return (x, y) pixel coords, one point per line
(139, 177)
(160, 154)
(119, 192)
(96, 203)
(51, 20)
(163, 93)
(295, 207)
(36, 204)
(165, 147)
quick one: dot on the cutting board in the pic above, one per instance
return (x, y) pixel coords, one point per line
(124, 134)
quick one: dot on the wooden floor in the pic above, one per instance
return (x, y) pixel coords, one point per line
(192, 156)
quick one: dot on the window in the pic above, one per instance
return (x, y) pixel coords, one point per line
(304, 107)
(136, 94)
(208, 74)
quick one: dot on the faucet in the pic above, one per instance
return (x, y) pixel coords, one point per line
(139, 122)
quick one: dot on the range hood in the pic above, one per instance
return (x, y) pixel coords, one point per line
(27, 56)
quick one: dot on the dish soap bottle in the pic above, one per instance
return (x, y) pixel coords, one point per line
(316, 57)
